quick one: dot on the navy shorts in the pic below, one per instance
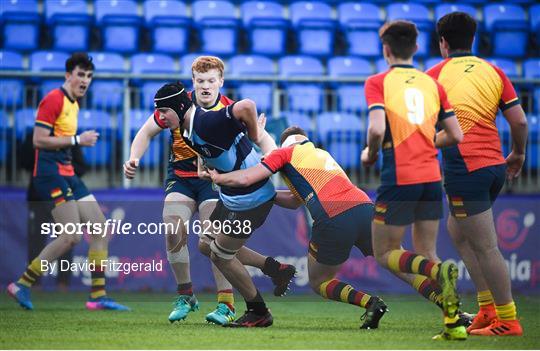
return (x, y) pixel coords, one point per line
(405, 204)
(332, 239)
(474, 192)
(59, 189)
(195, 188)
(241, 224)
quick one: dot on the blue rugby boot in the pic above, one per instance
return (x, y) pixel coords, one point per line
(182, 306)
(222, 315)
(21, 294)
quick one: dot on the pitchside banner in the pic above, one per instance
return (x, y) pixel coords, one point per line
(285, 235)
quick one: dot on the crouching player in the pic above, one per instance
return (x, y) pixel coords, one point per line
(342, 214)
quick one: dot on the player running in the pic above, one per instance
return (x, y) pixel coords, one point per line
(405, 105)
(55, 132)
(186, 193)
(474, 170)
(341, 212)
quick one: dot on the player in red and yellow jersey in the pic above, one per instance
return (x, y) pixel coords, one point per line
(186, 193)
(405, 106)
(475, 169)
(342, 213)
(54, 179)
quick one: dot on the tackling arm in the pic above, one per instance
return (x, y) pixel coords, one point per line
(241, 178)
(139, 146)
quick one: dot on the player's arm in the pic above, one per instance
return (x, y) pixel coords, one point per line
(139, 146)
(241, 178)
(376, 130)
(44, 140)
(286, 199)
(450, 134)
(519, 130)
(246, 112)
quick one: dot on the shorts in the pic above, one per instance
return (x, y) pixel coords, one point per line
(59, 189)
(405, 204)
(472, 193)
(332, 239)
(197, 189)
(241, 223)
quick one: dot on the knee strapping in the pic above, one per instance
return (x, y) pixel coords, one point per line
(181, 256)
(221, 252)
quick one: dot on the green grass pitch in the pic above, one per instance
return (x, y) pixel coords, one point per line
(300, 322)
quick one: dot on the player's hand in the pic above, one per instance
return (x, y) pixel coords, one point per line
(203, 173)
(261, 123)
(514, 163)
(130, 168)
(88, 138)
(215, 176)
(368, 161)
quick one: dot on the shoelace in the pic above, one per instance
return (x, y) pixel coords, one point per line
(180, 299)
(222, 308)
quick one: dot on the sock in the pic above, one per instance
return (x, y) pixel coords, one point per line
(98, 274)
(484, 298)
(185, 289)
(408, 262)
(429, 289)
(33, 271)
(226, 297)
(339, 291)
(257, 305)
(271, 267)
(506, 312)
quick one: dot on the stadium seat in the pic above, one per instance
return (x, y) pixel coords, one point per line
(534, 16)
(350, 95)
(275, 126)
(443, 9)
(509, 67)
(100, 121)
(169, 24)
(24, 122)
(532, 160)
(360, 23)
(266, 26)
(151, 63)
(531, 68)
(218, 26)
(303, 121)
(418, 14)
(304, 97)
(253, 65)
(314, 26)
(48, 61)
(11, 89)
(107, 93)
(509, 29)
(70, 23)
(154, 153)
(20, 22)
(341, 135)
(4, 138)
(119, 23)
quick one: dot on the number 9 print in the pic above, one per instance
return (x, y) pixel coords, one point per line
(227, 227)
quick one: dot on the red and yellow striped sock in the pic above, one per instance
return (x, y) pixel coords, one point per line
(429, 289)
(98, 274)
(408, 262)
(227, 297)
(506, 312)
(185, 289)
(33, 271)
(337, 290)
(484, 298)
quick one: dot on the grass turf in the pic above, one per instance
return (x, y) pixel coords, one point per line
(300, 322)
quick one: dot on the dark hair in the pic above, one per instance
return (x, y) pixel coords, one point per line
(80, 59)
(458, 29)
(291, 131)
(400, 36)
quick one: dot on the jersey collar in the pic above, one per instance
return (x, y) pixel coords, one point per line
(66, 94)
(401, 66)
(194, 100)
(461, 54)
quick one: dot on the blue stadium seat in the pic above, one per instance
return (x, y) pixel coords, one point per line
(531, 68)
(100, 121)
(443, 9)
(218, 26)
(341, 135)
(70, 23)
(151, 63)
(5, 137)
(304, 97)
(24, 122)
(509, 29)
(119, 23)
(11, 89)
(48, 61)
(303, 121)
(266, 26)
(20, 22)
(418, 14)
(360, 22)
(155, 151)
(169, 24)
(314, 26)
(275, 126)
(534, 16)
(509, 67)
(350, 95)
(254, 65)
(107, 93)
(533, 148)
